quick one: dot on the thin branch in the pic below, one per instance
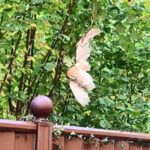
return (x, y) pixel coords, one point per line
(57, 73)
(2, 34)
(29, 46)
(11, 107)
(11, 59)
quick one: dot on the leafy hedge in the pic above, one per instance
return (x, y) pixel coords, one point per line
(37, 46)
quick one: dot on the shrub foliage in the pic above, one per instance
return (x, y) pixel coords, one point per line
(37, 46)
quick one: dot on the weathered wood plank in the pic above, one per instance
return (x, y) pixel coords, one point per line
(24, 141)
(121, 145)
(7, 140)
(93, 146)
(107, 146)
(146, 147)
(74, 144)
(135, 146)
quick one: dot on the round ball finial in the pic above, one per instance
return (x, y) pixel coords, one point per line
(41, 106)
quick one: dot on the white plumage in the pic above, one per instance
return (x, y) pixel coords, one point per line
(80, 81)
(80, 94)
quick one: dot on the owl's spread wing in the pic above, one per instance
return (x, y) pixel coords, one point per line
(83, 49)
(80, 94)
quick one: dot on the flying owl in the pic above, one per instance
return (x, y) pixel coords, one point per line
(80, 80)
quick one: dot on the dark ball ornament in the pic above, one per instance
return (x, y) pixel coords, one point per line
(41, 106)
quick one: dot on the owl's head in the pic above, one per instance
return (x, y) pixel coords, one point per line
(72, 73)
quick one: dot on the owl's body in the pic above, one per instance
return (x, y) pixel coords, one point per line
(80, 80)
(81, 77)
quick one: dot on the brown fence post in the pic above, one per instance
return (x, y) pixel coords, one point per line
(41, 107)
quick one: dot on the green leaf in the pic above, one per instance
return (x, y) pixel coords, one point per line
(49, 66)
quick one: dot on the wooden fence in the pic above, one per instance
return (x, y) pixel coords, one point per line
(79, 138)
(42, 135)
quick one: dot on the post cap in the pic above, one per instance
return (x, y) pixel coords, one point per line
(41, 106)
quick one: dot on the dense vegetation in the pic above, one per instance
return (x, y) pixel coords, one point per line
(37, 46)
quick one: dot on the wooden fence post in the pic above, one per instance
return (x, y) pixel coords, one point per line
(41, 107)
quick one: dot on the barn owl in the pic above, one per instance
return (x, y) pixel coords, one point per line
(80, 80)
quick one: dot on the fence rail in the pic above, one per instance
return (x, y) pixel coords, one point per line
(42, 135)
(104, 133)
(79, 138)
(22, 126)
